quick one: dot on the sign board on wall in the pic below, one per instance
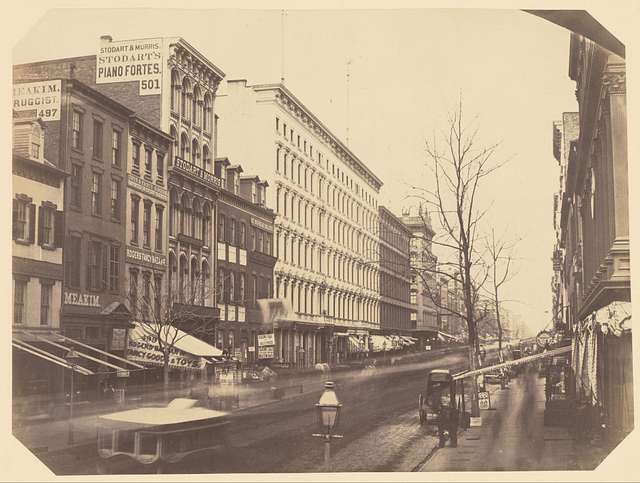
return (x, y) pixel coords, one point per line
(265, 352)
(265, 340)
(83, 299)
(42, 97)
(145, 257)
(131, 60)
(483, 400)
(118, 338)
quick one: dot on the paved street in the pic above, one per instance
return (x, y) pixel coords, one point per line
(276, 437)
(512, 436)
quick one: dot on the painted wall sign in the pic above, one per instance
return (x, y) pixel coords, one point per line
(196, 171)
(118, 339)
(138, 256)
(147, 352)
(131, 60)
(83, 299)
(148, 187)
(261, 224)
(42, 97)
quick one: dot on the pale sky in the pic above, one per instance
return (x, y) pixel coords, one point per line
(408, 68)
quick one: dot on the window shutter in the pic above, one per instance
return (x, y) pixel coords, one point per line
(58, 229)
(32, 223)
(15, 219)
(40, 225)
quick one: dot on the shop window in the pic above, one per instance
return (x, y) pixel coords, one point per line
(45, 303)
(19, 301)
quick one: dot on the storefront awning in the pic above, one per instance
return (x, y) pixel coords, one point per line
(53, 346)
(187, 351)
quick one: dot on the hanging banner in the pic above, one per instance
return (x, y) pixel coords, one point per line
(131, 60)
(41, 97)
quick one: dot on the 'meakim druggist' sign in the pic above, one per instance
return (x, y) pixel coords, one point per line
(42, 97)
(131, 60)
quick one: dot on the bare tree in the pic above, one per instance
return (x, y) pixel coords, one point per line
(500, 255)
(458, 165)
(166, 315)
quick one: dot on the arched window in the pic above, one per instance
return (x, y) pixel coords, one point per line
(185, 98)
(205, 295)
(173, 212)
(206, 112)
(196, 217)
(206, 224)
(176, 87)
(172, 276)
(174, 144)
(184, 146)
(196, 105)
(183, 277)
(195, 152)
(206, 158)
(185, 215)
(195, 281)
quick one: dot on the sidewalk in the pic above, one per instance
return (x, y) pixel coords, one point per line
(513, 437)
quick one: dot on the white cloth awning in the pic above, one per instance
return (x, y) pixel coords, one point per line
(187, 351)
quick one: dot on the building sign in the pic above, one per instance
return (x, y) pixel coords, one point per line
(146, 351)
(231, 313)
(222, 251)
(266, 340)
(144, 257)
(258, 223)
(241, 314)
(483, 400)
(265, 352)
(118, 338)
(41, 97)
(83, 299)
(197, 172)
(147, 187)
(242, 257)
(251, 348)
(232, 254)
(131, 60)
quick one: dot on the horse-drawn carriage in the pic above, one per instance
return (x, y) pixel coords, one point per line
(437, 406)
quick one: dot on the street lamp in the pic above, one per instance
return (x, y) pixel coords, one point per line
(71, 359)
(328, 416)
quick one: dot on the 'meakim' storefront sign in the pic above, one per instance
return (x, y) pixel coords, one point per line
(131, 60)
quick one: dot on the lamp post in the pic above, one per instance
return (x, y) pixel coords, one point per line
(71, 358)
(328, 415)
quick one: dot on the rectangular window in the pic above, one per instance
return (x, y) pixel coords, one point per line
(20, 219)
(45, 303)
(114, 268)
(35, 150)
(146, 225)
(133, 291)
(254, 290)
(76, 130)
(277, 124)
(96, 194)
(159, 219)
(135, 158)
(19, 301)
(115, 200)
(72, 263)
(148, 162)
(115, 148)
(135, 218)
(221, 228)
(97, 139)
(160, 168)
(45, 233)
(94, 266)
(243, 235)
(146, 303)
(76, 185)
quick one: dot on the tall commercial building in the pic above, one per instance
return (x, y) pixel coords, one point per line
(172, 86)
(395, 275)
(424, 289)
(326, 229)
(594, 237)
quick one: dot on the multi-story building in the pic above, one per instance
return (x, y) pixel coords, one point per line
(326, 233)
(595, 237)
(146, 211)
(38, 238)
(395, 275)
(565, 132)
(245, 260)
(177, 97)
(424, 292)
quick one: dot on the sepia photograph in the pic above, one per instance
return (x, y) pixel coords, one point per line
(320, 242)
